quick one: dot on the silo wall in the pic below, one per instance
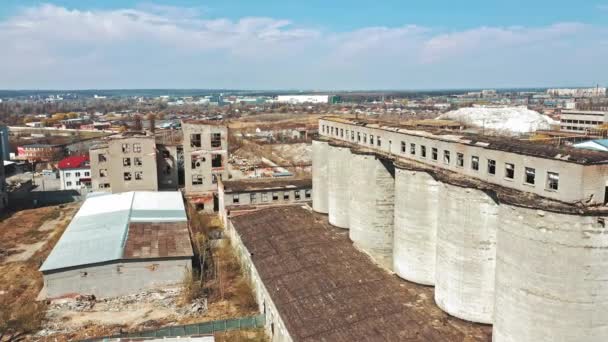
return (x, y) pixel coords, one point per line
(415, 234)
(466, 253)
(551, 277)
(372, 207)
(339, 166)
(319, 176)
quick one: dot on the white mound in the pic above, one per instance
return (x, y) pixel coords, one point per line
(509, 119)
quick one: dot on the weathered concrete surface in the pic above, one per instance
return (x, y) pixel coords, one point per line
(319, 176)
(551, 277)
(339, 167)
(466, 253)
(415, 234)
(372, 203)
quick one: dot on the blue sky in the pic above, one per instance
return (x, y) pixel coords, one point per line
(309, 44)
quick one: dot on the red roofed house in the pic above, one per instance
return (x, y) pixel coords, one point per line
(75, 173)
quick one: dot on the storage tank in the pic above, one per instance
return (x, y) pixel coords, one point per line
(372, 203)
(416, 215)
(551, 277)
(319, 176)
(466, 253)
(339, 165)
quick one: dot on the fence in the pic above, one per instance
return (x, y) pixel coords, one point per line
(195, 329)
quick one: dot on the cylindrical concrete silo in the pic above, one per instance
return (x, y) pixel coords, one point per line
(551, 277)
(416, 215)
(339, 166)
(372, 204)
(319, 176)
(466, 253)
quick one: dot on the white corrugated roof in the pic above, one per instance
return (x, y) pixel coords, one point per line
(98, 231)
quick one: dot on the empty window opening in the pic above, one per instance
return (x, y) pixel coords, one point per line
(459, 159)
(403, 147)
(358, 137)
(197, 179)
(139, 175)
(252, 197)
(137, 147)
(412, 149)
(264, 197)
(137, 161)
(371, 139)
(341, 133)
(101, 158)
(364, 138)
(68, 174)
(87, 174)
(104, 185)
(275, 196)
(216, 160)
(307, 193)
(475, 163)
(297, 195)
(509, 171)
(127, 176)
(103, 173)
(77, 174)
(332, 131)
(216, 139)
(213, 179)
(434, 153)
(197, 162)
(530, 175)
(446, 157)
(423, 151)
(235, 198)
(378, 141)
(68, 183)
(491, 167)
(352, 135)
(553, 181)
(195, 140)
(126, 148)
(286, 196)
(126, 161)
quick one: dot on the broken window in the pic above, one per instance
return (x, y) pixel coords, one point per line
(68, 183)
(216, 139)
(216, 160)
(423, 151)
(137, 161)
(307, 193)
(530, 175)
(235, 198)
(358, 137)
(126, 161)
(126, 148)
(459, 159)
(275, 196)
(475, 163)
(297, 195)
(378, 141)
(371, 139)
(139, 175)
(509, 171)
(341, 133)
(352, 135)
(127, 176)
(364, 138)
(286, 195)
(137, 147)
(103, 172)
(195, 140)
(413, 149)
(403, 147)
(434, 153)
(264, 197)
(196, 162)
(491, 166)
(446, 157)
(101, 158)
(252, 197)
(552, 180)
(197, 179)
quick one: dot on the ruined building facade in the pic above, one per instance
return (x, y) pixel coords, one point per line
(510, 233)
(205, 146)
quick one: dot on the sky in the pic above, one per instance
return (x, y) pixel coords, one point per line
(312, 44)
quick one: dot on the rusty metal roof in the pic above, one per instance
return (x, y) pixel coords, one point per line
(157, 240)
(327, 290)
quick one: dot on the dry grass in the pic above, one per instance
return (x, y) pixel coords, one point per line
(251, 335)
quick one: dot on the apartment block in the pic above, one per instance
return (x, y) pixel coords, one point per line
(205, 145)
(580, 121)
(127, 163)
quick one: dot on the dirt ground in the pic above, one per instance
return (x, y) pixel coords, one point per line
(252, 335)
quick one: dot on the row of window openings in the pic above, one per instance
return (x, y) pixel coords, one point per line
(583, 122)
(360, 136)
(137, 161)
(574, 128)
(77, 174)
(198, 179)
(216, 161)
(68, 183)
(275, 196)
(139, 175)
(216, 140)
(126, 148)
(530, 173)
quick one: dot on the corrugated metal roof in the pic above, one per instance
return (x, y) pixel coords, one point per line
(99, 230)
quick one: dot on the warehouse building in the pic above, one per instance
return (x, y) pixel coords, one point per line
(119, 244)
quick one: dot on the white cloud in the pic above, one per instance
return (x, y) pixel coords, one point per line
(161, 46)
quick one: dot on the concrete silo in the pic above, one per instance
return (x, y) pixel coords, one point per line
(319, 176)
(338, 177)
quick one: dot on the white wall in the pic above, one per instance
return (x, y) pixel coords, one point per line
(70, 178)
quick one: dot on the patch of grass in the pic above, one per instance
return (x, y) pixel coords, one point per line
(250, 335)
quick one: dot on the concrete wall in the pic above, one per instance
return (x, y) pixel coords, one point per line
(201, 157)
(416, 216)
(551, 282)
(116, 278)
(571, 187)
(319, 176)
(262, 197)
(466, 253)
(73, 177)
(371, 207)
(338, 176)
(275, 327)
